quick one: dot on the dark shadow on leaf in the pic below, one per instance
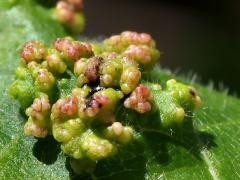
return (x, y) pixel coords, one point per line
(207, 140)
(159, 139)
(23, 114)
(67, 75)
(193, 140)
(148, 125)
(128, 163)
(157, 144)
(74, 176)
(46, 150)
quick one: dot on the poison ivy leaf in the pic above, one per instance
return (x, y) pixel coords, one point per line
(210, 152)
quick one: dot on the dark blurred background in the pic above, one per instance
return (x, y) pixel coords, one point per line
(199, 36)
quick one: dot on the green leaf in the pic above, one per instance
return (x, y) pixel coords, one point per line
(210, 152)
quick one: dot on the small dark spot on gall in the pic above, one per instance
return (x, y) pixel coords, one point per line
(192, 92)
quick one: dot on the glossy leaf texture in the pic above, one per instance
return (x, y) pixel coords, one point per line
(209, 151)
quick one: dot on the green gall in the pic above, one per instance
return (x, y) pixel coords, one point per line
(175, 101)
(65, 108)
(129, 79)
(55, 63)
(140, 99)
(146, 56)
(30, 128)
(185, 95)
(44, 81)
(73, 148)
(39, 117)
(138, 47)
(23, 91)
(69, 13)
(95, 147)
(82, 166)
(64, 132)
(71, 50)
(101, 106)
(97, 48)
(33, 51)
(23, 73)
(76, 91)
(126, 136)
(171, 113)
(117, 128)
(78, 23)
(110, 72)
(87, 70)
(117, 43)
(117, 132)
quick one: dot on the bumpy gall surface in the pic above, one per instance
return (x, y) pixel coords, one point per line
(76, 91)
